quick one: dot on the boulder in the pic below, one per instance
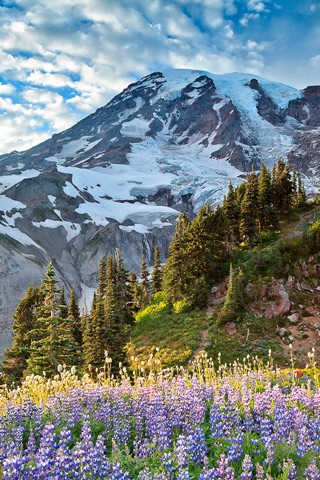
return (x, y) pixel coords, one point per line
(294, 318)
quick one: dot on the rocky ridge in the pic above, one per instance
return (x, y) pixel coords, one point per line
(168, 143)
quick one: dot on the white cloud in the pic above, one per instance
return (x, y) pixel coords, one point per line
(46, 97)
(248, 16)
(256, 6)
(6, 89)
(49, 79)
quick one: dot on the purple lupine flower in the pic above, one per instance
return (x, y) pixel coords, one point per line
(223, 470)
(312, 472)
(247, 468)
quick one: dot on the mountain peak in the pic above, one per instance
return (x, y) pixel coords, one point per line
(170, 142)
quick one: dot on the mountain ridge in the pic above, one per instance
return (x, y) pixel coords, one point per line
(170, 142)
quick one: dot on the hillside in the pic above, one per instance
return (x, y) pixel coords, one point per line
(282, 307)
(169, 143)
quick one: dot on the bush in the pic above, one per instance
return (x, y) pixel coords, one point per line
(152, 309)
(182, 306)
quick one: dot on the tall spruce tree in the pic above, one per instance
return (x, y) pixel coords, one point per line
(283, 187)
(198, 259)
(234, 303)
(144, 282)
(52, 342)
(74, 318)
(107, 326)
(249, 210)
(231, 207)
(24, 321)
(267, 217)
(156, 276)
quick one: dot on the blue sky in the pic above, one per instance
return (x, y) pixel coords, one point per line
(60, 60)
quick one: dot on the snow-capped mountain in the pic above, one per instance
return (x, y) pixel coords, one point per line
(168, 143)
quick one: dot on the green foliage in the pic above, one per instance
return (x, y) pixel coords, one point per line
(197, 255)
(52, 339)
(177, 335)
(24, 321)
(156, 276)
(234, 304)
(106, 328)
(182, 306)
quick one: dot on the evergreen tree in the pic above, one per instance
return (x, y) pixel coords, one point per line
(74, 318)
(107, 326)
(122, 280)
(231, 207)
(301, 192)
(52, 340)
(266, 212)
(249, 210)
(283, 187)
(156, 276)
(196, 257)
(234, 304)
(90, 329)
(116, 318)
(144, 282)
(134, 293)
(63, 306)
(24, 321)
(174, 272)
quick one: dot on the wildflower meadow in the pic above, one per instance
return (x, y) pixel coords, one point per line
(206, 421)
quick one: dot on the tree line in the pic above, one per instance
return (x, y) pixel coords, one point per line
(49, 332)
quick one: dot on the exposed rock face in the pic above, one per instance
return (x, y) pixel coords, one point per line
(170, 142)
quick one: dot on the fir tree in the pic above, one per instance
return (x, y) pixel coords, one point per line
(24, 321)
(106, 328)
(74, 318)
(231, 207)
(63, 307)
(234, 304)
(283, 187)
(134, 293)
(156, 276)
(196, 257)
(249, 210)
(116, 317)
(174, 272)
(301, 192)
(144, 282)
(52, 342)
(266, 212)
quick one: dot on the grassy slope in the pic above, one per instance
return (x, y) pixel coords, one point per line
(179, 336)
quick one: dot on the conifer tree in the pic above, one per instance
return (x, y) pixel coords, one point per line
(231, 206)
(156, 276)
(24, 321)
(174, 272)
(106, 328)
(74, 318)
(115, 316)
(52, 340)
(266, 212)
(63, 307)
(134, 293)
(301, 192)
(234, 304)
(195, 257)
(89, 338)
(283, 187)
(144, 282)
(249, 210)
